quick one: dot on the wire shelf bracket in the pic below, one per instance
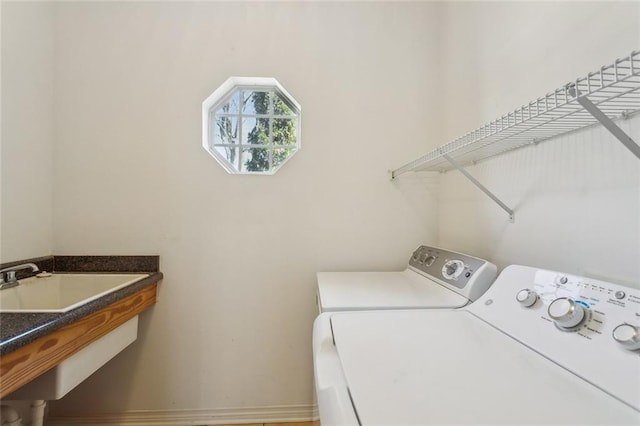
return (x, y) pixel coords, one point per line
(481, 187)
(611, 92)
(608, 123)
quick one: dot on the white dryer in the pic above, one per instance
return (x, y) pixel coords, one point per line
(435, 278)
(538, 348)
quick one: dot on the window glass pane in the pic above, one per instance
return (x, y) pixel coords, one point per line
(229, 153)
(251, 126)
(255, 160)
(232, 106)
(279, 155)
(255, 131)
(284, 131)
(226, 130)
(281, 106)
(255, 102)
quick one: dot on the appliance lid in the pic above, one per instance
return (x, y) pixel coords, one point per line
(449, 367)
(352, 291)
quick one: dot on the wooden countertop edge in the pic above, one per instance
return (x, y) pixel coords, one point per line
(30, 361)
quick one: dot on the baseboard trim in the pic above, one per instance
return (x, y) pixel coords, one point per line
(249, 415)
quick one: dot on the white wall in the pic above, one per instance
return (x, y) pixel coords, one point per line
(233, 324)
(577, 198)
(26, 191)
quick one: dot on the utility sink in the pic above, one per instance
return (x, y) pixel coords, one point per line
(61, 292)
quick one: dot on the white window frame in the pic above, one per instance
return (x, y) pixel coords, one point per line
(222, 95)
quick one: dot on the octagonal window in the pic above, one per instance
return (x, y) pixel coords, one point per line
(251, 125)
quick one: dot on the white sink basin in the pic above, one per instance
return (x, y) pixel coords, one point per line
(61, 292)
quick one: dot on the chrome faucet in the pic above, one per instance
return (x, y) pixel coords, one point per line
(8, 275)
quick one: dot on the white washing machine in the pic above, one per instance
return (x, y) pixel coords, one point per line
(539, 347)
(434, 278)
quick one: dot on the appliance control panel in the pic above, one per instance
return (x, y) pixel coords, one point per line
(462, 273)
(588, 326)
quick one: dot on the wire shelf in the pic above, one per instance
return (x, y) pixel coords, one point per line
(614, 89)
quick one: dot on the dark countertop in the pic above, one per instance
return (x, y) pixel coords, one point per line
(20, 329)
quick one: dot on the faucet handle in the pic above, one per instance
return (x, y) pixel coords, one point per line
(10, 276)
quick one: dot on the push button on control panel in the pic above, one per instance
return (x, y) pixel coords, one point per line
(423, 257)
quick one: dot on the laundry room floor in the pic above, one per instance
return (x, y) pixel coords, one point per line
(315, 423)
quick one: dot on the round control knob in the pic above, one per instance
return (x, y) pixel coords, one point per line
(628, 336)
(452, 269)
(429, 260)
(566, 313)
(527, 298)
